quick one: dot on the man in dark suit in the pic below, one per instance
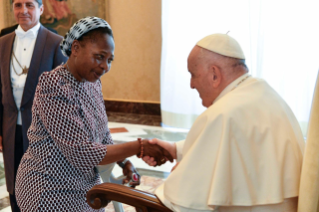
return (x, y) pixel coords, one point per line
(24, 55)
(10, 29)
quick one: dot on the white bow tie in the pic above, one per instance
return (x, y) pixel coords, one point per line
(28, 34)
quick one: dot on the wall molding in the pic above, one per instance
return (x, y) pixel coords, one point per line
(133, 107)
(131, 100)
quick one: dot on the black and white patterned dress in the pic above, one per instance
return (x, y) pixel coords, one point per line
(68, 138)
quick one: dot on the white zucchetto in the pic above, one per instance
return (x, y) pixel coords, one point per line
(222, 44)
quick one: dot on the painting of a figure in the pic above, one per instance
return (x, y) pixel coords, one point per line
(62, 14)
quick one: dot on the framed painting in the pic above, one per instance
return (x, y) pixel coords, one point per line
(62, 14)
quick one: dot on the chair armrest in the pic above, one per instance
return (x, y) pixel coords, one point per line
(100, 195)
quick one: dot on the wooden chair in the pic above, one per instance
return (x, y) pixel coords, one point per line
(107, 176)
(100, 195)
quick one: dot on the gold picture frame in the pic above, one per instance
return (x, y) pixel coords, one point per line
(62, 14)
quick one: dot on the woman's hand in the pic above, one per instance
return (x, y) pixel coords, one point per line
(132, 176)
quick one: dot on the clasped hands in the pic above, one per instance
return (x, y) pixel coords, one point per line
(155, 155)
(157, 152)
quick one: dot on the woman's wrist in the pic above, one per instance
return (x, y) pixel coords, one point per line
(140, 154)
(122, 163)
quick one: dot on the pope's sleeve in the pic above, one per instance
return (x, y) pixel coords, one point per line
(179, 150)
(61, 117)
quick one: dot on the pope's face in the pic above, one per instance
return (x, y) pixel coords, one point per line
(94, 59)
(201, 77)
(27, 13)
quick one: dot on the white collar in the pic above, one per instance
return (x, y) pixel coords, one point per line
(34, 30)
(232, 86)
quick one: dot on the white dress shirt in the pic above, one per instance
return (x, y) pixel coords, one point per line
(23, 47)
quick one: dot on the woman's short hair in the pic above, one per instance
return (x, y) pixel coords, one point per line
(92, 36)
(88, 27)
(93, 33)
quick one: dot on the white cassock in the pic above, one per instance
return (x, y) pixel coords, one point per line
(244, 153)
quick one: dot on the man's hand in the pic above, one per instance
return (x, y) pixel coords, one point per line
(170, 147)
(156, 152)
(1, 147)
(130, 172)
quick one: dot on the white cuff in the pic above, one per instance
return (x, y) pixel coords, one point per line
(179, 150)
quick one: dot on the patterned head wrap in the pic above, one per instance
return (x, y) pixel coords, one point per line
(81, 27)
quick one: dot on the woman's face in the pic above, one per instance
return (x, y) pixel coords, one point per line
(93, 58)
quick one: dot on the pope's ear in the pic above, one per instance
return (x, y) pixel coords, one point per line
(215, 75)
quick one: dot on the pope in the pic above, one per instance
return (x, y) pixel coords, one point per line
(244, 153)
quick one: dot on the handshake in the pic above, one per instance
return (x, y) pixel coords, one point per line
(156, 152)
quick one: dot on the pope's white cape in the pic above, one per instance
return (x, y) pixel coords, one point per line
(246, 149)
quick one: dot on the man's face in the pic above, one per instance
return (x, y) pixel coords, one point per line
(201, 77)
(27, 13)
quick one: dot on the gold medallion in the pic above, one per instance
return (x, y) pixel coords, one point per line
(25, 70)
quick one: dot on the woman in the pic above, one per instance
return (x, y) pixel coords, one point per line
(69, 135)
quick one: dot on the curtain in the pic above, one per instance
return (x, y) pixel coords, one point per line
(280, 40)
